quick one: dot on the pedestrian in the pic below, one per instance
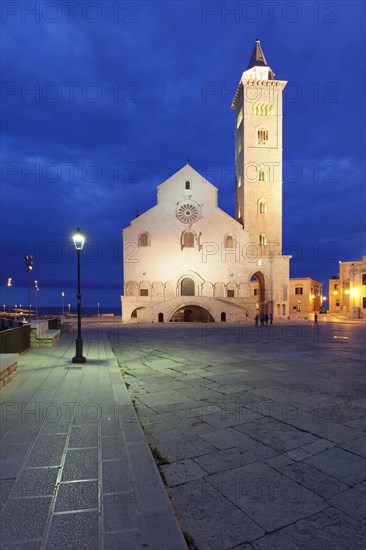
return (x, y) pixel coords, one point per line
(261, 317)
(270, 318)
(266, 319)
(315, 318)
(256, 319)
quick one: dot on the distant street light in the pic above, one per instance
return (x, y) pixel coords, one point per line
(36, 288)
(63, 302)
(79, 241)
(29, 266)
(98, 308)
(68, 307)
(9, 285)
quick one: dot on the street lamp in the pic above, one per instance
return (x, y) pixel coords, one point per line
(9, 284)
(29, 266)
(63, 302)
(79, 241)
(36, 288)
(98, 308)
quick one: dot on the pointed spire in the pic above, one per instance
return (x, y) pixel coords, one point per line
(257, 59)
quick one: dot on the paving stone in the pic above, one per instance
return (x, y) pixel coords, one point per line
(318, 446)
(316, 481)
(47, 450)
(330, 529)
(201, 508)
(278, 435)
(36, 482)
(182, 448)
(182, 472)
(357, 446)
(34, 545)
(77, 496)
(6, 485)
(228, 459)
(119, 514)
(12, 459)
(32, 516)
(340, 464)
(85, 436)
(116, 476)
(278, 461)
(226, 438)
(351, 502)
(113, 448)
(80, 464)
(298, 454)
(269, 498)
(118, 541)
(76, 531)
(23, 435)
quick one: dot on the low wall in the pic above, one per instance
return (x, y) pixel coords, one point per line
(15, 340)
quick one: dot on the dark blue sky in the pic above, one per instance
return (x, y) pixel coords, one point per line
(102, 101)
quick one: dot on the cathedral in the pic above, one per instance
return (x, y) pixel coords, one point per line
(185, 259)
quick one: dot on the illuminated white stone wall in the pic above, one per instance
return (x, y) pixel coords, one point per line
(158, 268)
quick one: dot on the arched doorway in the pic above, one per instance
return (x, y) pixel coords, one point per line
(137, 312)
(223, 316)
(258, 291)
(187, 287)
(161, 318)
(192, 314)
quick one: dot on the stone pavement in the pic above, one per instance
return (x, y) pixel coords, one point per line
(76, 470)
(262, 431)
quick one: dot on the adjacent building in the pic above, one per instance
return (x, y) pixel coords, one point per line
(347, 293)
(306, 297)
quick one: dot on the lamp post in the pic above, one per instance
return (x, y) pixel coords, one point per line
(79, 241)
(98, 308)
(29, 266)
(69, 308)
(9, 285)
(36, 288)
(63, 303)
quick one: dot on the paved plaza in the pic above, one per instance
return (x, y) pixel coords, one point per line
(258, 433)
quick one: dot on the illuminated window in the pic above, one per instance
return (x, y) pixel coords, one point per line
(262, 207)
(188, 184)
(264, 109)
(230, 293)
(261, 176)
(188, 239)
(144, 239)
(262, 240)
(239, 118)
(298, 306)
(256, 292)
(298, 290)
(229, 242)
(364, 278)
(262, 135)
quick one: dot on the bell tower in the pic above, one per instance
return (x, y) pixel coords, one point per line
(258, 153)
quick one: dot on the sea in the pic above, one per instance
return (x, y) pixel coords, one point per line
(51, 310)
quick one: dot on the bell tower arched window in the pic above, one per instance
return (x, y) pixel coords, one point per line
(262, 135)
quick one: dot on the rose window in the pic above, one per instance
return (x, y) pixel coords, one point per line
(188, 212)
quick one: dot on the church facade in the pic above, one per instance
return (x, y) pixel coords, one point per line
(185, 259)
